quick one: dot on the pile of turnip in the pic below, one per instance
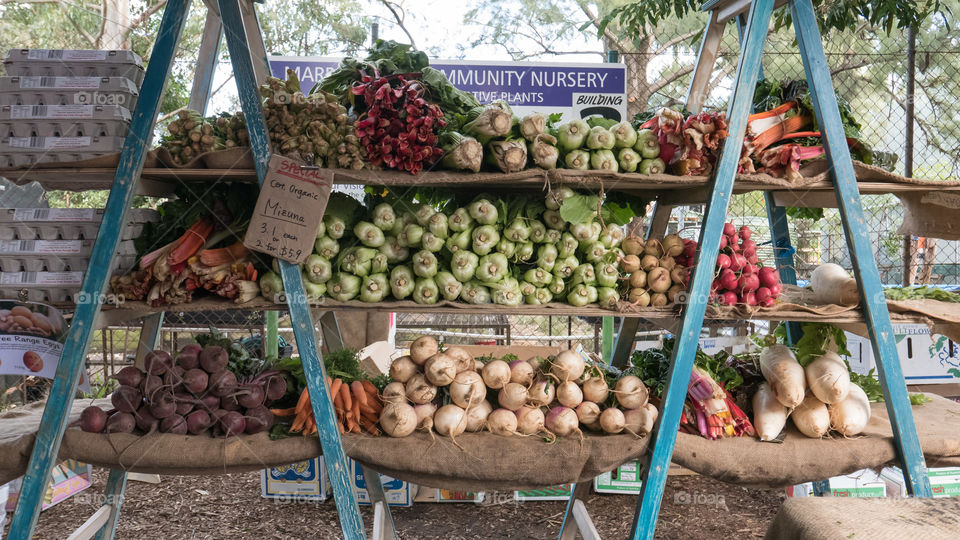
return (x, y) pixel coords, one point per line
(450, 392)
(192, 393)
(818, 398)
(654, 275)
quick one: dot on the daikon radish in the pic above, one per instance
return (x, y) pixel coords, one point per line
(832, 284)
(850, 416)
(785, 375)
(811, 417)
(769, 415)
(828, 378)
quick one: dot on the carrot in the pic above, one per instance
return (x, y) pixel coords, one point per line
(359, 393)
(298, 424)
(304, 401)
(340, 427)
(284, 412)
(369, 387)
(347, 400)
(335, 387)
(375, 405)
(368, 409)
(369, 416)
(356, 409)
(352, 426)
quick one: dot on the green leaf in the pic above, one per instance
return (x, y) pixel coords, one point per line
(617, 214)
(579, 208)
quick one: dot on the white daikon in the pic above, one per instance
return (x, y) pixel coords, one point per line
(828, 378)
(832, 284)
(811, 417)
(784, 374)
(850, 416)
(769, 415)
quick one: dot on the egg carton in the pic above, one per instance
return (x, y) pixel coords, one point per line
(63, 120)
(66, 223)
(76, 63)
(40, 286)
(25, 151)
(35, 90)
(57, 255)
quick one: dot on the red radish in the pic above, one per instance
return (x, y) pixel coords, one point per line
(733, 241)
(753, 259)
(768, 276)
(258, 419)
(213, 359)
(121, 422)
(745, 232)
(775, 290)
(737, 262)
(729, 229)
(93, 419)
(748, 269)
(748, 298)
(769, 302)
(728, 298)
(748, 283)
(762, 294)
(748, 246)
(126, 399)
(723, 242)
(690, 249)
(715, 286)
(723, 261)
(728, 280)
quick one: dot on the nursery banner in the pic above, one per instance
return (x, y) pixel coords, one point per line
(575, 90)
(31, 340)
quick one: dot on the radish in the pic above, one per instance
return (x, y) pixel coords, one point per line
(463, 359)
(477, 416)
(775, 290)
(768, 276)
(737, 262)
(723, 242)
(521, 372)
(828, 378)
(769, 302)
(588, 413)
(512, 396)
(728, 229)
(422, 349)
(440, 369)
(728, 279)
(769, 415)
(811, 417)
(496, 374)
(402, 369)
(569, 394)
(762, 294)
(728, 298)
(850, 416)
(631, 392)
(398, 419)
(723, 261)
(780, 368)
(832, 285)
(745, 232)
(450, 421)
(394, 392)
(502, 422)
(749, 270)
(640, 421)
(530, 420)
(595, 389)
(748, 298)
(541, 393)
(467, 389)
(562, 421)
(93, 419)
(734, 241)
(129, 376)
(612, 420)
(748, 246)
(567, 366)
(121, 422)
(214, 359)
(419, 390)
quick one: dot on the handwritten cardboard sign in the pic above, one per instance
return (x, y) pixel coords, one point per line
(288, 212)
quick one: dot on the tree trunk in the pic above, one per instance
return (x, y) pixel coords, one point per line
(115, 31)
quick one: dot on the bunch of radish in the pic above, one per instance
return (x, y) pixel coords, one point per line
(192, 393)
(446, 391)
(654, 274)
(739, 277)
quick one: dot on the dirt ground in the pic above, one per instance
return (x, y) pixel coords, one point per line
(192, 507)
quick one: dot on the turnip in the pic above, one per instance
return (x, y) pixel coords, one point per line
(640, 421)
(541, 393)
(477, 415)
(257, 419)
(512, 396)
(567, 366)
(146, 422)
(398, 419)
(658, 280)
(595, 389)
(222, 383)
(402, 369)
(637, 280)
(612, 420)
(463, 359)
(588, 413)
(129, 376)
(639, 297)
(811, 417)
(422, 349)
(631, 392)
(502, 422)
(674, 292)
(530, 420)
(195, 380)
(828, 378)
(630, 264)
(198, 422)
(672, 245)
(569, 394)
(478, 365)
(850, 416)
(450, 421)
(649, 262)
(769, 415)
(521, 372)
(213, 359)
(680, 276)
(120, 422)
(562, 421)
(176, 424)
(425, 414)
(394, 392)
(467, 389)
(230, 423)
(496, 374)
(658, 299)
(780, 368)
(93, 419)
(419, 390)
(250, 396)
(126, 399)
(832, 285)
(157, 362)
(440, 369)
(189, 356)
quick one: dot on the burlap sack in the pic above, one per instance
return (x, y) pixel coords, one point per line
(935, 214)
(829, 518)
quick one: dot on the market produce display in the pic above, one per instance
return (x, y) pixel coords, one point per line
(686, 145)
(449, 392)
(653, 272)
(191, 134)
(357, 406)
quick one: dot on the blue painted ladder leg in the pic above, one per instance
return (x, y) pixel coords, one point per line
(861, 251)
(665, 431)
(56, 414)
(300, 317)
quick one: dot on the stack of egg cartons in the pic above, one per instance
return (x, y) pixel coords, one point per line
(61, 106)
(44, 252)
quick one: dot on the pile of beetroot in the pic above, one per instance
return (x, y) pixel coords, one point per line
(194, 393)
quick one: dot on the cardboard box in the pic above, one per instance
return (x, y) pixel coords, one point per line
(925, 358)
(398, 492)
(431, 495)
(68, 478)
(865, 483)
(552, 493)
(626, 479)
(304, 481)
(945, 481)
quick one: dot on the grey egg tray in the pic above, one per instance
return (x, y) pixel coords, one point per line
(57, 255)
(68, 91)
(63, 121)
(40, 286)
(25, 151)
(66, 223)
(76, 63)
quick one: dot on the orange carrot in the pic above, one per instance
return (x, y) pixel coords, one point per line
(298, 424)
(304, 401)
(335, 387)
(356, 409)
(369, 387)
(369, 416)
(347, 400)
(284, 412)
(359, 393)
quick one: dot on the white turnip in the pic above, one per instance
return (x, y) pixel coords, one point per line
(828, 378)
(425, 414)
(541, 393)
(450, 421)
(463, 359)
(521, 372)
(567, 366)
(850, 416)
(784, 374)
(631, 392)
(588, 413)
(640, 421)
(402, 369)
(530, 420)
(658, 280)
(769, 415)
(394, 392)
(595, 389)
(467, 389)
(562, 421)
(569, 394)
(496, 374)
(502, 422)
(512, 396)
(419, 390)
(477, 415)
(440, 369)
(423, 348)
(832, 285)
(398, 419)
(612, 420)
(811, 417)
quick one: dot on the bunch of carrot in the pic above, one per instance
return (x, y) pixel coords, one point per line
(357, 405)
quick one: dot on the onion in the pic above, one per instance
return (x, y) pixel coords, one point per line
(402, 369)
(512, 396)
(477, 415)
(502, 422)
(562, 421)
(530, 420)
(569, 394)
(521, 372)
(467, 389)
(496, 374)
(567, 366)
(612, 420)
(450, 421)
(440, 369)
(398, 419)
(463, 359)
(631, 392)
(394, 392)
(419, 391)
(423, 348)
(595, 389)
(541, 393)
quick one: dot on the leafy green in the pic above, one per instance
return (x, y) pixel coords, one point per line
(579, 208)
(816, 340)
(921, 293)
(653, 366)
(605, 123)
(874, 390)
(815, 214)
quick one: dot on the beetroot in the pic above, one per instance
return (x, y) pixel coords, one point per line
(229, 403)
(93, 419)
(195, 380)
(185, 403)
(158, 362)
(222, 383)
(121, 422)
(275, 387)
(198, 422)
(209, 403)
(163, 405)
(232, 423)
(150, 385)
(250, 396)
(213, 359)
(189, 356)
(146, 422)
(126, 399)
(258, 419)
(129, 376)
(174, 424)
(173, 378)
(215, 417)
